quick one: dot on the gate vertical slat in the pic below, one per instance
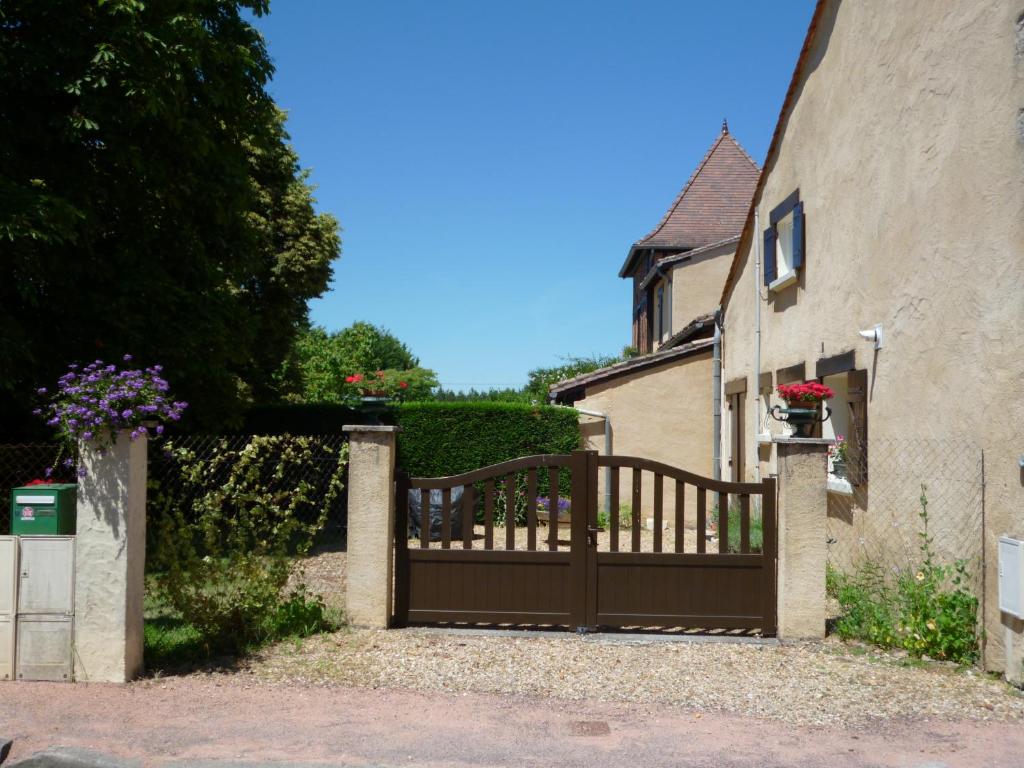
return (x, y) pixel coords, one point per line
(769, 553)
(745, 523)
(702, 522)
(510, 511)
(658, 481)
(591, 508)
(424, 519)
(680, 516)
(489, 514)
(613, 513)
(578, 538)
(553, 509)
(531, 509)
(446, 518)
(635, 521)
(723, 523)
(468, 515)
(402, 585)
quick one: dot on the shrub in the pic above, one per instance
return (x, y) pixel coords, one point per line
(439, 439)
(928, 611)
(224, 550)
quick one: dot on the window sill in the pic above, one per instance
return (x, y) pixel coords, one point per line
(764, 438)
(839, 486)
(783, 281)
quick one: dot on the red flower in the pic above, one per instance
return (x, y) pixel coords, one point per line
(358, 377)
(810, 392)
(403, 385)
(37, 481)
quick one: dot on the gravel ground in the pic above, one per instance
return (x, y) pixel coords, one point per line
(830, 683)
(807, 684)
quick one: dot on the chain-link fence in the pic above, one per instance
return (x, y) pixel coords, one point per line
(20, 463)
(879, 521)
(168, 480)
(287, 463)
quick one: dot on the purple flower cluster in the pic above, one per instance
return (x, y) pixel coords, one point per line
(95, 402)
(544, 503)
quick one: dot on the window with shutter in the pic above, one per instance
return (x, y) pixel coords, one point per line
(784, 243)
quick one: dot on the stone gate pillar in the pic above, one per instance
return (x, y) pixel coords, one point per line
(110, 562)
(802, 534)
(371, 524)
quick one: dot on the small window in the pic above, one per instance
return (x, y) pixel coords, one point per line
(784, 243)
(663, 312)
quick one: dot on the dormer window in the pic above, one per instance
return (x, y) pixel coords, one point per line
(784, 243)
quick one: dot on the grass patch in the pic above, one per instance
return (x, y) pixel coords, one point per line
(170, 642)
(756, 529)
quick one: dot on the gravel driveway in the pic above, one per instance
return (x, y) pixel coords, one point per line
(810, 684)
(829, 683)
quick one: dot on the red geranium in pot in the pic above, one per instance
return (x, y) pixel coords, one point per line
(803, 404)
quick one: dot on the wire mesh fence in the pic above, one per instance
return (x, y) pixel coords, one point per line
(286, 464)
(20, 463)
(880, 521)
(169, 479)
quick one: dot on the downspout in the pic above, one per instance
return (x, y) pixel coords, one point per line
(607, 447)
(716, 398)
(757, 339)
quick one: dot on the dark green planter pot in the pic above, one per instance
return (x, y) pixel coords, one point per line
(802, 419)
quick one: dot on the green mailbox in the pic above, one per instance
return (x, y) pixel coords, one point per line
(44, 510)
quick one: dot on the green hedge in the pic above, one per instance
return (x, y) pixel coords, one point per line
(439, 439)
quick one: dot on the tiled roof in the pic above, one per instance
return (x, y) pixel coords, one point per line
(712, 205)
(575, 388)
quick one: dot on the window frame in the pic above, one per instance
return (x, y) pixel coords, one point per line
(774, 256)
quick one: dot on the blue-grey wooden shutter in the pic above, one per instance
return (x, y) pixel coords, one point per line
(798, 235)
(769, 255)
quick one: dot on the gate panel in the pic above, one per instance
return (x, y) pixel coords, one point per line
(562, 576)
(673, 590)
(528, 581)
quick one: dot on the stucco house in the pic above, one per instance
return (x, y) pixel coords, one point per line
(891, 203)
(659, 403)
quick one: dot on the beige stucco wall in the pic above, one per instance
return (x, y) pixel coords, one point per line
(697, 284)
(906, 144)
(371, 525)
(110, 561)
(662, 413)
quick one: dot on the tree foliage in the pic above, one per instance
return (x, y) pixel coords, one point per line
(149, 200)
(323, 361)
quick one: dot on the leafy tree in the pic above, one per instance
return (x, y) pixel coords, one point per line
(323, 361)
(149, 201)
(541, 379)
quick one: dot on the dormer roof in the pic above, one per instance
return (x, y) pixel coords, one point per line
(712, 205)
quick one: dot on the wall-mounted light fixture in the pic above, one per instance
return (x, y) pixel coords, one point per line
(873, 334)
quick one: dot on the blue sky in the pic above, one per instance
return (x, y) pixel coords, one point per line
(491, 163)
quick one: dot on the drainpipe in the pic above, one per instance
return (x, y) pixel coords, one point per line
(716, 398)
(607, 448)
(757, 339)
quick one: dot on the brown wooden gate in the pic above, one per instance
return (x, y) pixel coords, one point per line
(583, 575)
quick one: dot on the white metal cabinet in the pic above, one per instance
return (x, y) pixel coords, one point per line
(7, 647)
(44, 648)
(1011, 576)
(8, 574)
(8, 603)
(46, 575)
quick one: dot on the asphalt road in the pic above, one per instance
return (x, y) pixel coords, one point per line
(219, 722)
